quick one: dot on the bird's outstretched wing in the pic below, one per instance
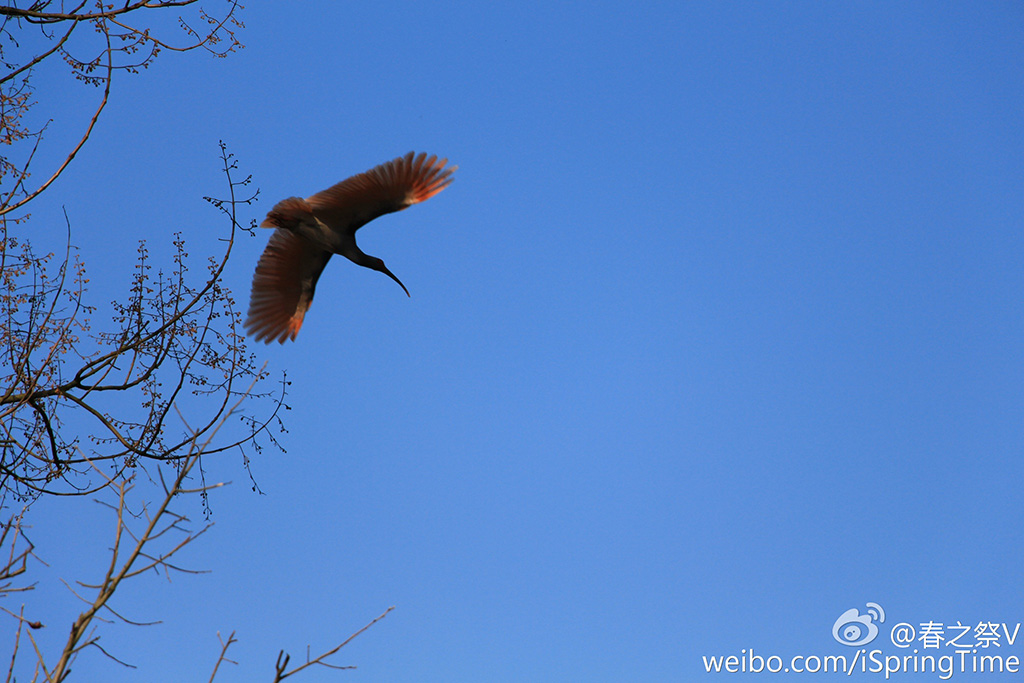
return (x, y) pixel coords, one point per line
(283, 286)
(392, 186)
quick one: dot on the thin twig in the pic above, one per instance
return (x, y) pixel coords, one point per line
(282, 658)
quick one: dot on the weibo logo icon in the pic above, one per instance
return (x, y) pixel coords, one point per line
(855, 629)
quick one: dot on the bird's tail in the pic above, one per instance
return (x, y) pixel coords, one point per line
(289, 213)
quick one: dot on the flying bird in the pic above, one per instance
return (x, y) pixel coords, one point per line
(307, 231)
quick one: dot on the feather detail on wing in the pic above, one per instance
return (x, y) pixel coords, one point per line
(283, 286)
(392, 186)
(288, 213)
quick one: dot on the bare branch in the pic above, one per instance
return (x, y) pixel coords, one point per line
(52, 17)
(281, 666)
(123, 567)
(128, 44)
(5, 205)
(39, 58)
(224, 645)
(20, 550)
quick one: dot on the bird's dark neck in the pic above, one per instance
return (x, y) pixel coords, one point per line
(354, 254)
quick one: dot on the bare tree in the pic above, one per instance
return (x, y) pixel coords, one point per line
(88, 406)
(172, 335)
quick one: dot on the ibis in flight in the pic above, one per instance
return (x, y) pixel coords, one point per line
(307, 231)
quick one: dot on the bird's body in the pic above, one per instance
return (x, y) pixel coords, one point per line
(308, 231)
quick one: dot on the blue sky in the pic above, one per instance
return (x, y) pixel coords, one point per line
(716, 335)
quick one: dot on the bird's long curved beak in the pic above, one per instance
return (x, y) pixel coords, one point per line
(391, 275)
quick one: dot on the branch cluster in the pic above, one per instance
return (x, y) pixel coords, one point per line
(171, 337)
(144, 541)
(121, 39)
